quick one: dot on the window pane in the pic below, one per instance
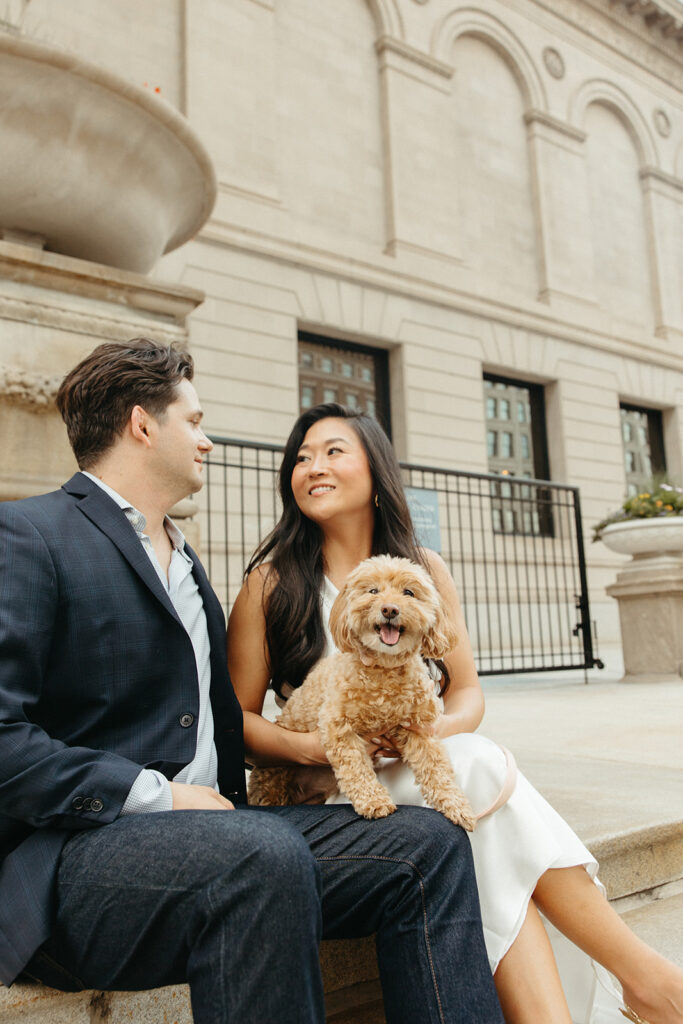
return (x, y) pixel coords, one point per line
(643, 444)
(492, 442)
(518, 451)
(332, 371)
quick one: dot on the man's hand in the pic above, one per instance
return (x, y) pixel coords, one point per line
(198, 798)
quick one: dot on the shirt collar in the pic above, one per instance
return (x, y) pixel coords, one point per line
(137, 519)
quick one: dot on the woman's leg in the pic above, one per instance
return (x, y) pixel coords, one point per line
(527, 980)
(653, 986)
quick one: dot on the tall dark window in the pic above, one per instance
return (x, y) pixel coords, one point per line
(517, 450)
(353, 375)
(642, 438)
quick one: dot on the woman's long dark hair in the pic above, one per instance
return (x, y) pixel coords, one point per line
(294, 628)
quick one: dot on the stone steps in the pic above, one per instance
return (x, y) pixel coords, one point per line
(642, 870)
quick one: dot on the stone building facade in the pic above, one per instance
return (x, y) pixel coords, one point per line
(475, 188)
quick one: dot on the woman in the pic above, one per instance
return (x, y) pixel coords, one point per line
(343, 501)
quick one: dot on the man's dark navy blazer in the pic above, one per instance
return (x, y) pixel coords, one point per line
(96, 673)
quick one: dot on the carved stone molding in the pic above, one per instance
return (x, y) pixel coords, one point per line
(482, 25)
(611, 24)
(662, 122)
(52, 271)
(385, 45)
(540, 117)
(26, 388)
(107, 328)
(667, 184)
(554, 62)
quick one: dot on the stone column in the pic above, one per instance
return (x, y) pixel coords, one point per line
(663, 198)
(650, 596)
(420, 163)
(563, 215)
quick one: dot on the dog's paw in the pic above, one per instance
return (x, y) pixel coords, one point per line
(460, 813)
(376, 809)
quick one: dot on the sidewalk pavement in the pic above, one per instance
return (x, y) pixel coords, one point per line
(607, 755)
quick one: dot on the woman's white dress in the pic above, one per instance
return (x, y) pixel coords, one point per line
(512, 848)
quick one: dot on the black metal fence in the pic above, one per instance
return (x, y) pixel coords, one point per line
(514, 546)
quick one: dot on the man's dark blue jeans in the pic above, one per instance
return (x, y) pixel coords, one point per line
(235, 903)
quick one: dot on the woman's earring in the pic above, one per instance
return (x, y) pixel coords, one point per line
(376, 502)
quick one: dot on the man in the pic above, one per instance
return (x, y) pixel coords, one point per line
(117, 714)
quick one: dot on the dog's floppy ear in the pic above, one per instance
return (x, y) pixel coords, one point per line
(339, 622)
(442, 637)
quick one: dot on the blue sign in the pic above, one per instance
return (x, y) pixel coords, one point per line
(424, 510)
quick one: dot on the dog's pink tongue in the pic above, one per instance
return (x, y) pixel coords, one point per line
(389, 634)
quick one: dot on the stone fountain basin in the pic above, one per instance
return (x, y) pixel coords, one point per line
(96, 167)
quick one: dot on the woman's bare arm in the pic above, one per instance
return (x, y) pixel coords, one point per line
(265, 742)
(464, 700)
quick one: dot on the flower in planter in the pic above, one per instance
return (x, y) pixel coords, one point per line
(661, 499)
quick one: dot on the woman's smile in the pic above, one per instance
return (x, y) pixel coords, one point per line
(332, 461)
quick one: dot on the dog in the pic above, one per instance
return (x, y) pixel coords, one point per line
(386, 619)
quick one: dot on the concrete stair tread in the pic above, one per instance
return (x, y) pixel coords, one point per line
(639, 859)
(660, 923)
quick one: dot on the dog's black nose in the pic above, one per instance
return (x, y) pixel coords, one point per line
(390, 611)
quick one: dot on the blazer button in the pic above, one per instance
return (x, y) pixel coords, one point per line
(77, 803)
(186, 720)
(96, 805)
(87, 803)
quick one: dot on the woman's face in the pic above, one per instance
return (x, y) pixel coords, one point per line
(331, 475)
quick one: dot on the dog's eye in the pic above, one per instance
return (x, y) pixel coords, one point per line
(373, 590)
(408, 593)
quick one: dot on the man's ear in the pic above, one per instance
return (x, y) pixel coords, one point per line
(139, 424)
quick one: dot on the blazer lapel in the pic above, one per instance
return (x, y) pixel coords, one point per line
(96, 504)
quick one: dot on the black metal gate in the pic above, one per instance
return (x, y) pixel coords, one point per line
(514, 546)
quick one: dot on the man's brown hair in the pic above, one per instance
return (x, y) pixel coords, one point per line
(97, 397)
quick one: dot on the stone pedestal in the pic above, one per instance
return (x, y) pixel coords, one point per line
(54, 310)
(650, 596)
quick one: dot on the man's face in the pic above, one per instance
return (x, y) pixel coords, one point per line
(180, 443)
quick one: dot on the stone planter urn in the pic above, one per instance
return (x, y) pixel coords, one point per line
(92, 165)
(646, 538)
(649, 590)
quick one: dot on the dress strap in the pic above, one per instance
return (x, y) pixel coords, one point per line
(509, 784)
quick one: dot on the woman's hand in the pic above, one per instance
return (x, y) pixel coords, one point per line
(307, 747)
(383, 746)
